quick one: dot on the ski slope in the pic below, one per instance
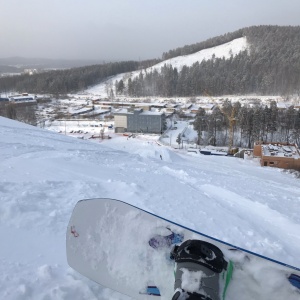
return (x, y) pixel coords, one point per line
(225, 50)
(43, 175)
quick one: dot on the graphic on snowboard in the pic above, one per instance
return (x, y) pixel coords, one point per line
(165, 240)
(118, 246)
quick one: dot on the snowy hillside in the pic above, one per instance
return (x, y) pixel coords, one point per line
(44, 174)
(226, 50)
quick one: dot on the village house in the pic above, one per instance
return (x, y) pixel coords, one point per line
(279, 155)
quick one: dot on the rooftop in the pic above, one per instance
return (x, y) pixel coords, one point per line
(140, 111)
(278, 150)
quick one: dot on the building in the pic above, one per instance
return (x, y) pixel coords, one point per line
(279, 155)
(208, 107)
(24, 97)
(138, 120)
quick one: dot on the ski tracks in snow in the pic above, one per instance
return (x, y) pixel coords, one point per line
(262, 219)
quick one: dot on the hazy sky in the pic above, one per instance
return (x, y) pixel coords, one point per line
(127, 29)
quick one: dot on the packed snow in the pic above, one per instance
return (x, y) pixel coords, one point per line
(44, 174)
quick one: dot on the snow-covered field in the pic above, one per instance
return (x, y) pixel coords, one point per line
(44, 174)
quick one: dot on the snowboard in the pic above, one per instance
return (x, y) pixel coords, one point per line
(127, 249)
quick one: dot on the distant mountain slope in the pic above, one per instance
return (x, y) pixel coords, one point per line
(261, 59)
(210, 43)
(233, 47)
(270, 65)
(45, 63)
(225, 51)
(10, 69)
(259, 37)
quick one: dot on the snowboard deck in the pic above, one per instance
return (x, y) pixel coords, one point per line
(111, 242)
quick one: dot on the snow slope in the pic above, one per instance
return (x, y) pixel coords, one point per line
(43, 174)
(226, 50)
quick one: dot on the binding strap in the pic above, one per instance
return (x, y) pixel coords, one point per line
(202, 253)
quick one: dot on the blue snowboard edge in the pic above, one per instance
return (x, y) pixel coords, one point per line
(295, 280)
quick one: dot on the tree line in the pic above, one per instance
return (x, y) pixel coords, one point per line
(259, 37)
(251, 124)
(22, 112)
(209, 43)
(241, 74)
(69, 80)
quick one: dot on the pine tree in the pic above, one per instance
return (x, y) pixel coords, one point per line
(178, 139)
(296, 131)
(257, 124)
(120, 87)
(273, 119)
(199, 123)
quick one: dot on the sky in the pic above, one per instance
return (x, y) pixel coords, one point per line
(127, 29)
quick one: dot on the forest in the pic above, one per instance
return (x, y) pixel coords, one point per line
(250, 124)
(58, 82)
(271, 66)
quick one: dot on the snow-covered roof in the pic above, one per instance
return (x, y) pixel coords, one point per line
(152, 113)
(277, 150)
(141, 112)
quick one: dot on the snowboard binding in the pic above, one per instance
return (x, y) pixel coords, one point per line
(182, 295)
(197, 271)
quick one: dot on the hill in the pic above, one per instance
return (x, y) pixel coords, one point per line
(21, 63)
(44, 174)
(267, 63)
(162, 78)
(10, 69)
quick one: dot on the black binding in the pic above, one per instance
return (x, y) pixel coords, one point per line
(200, 252)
